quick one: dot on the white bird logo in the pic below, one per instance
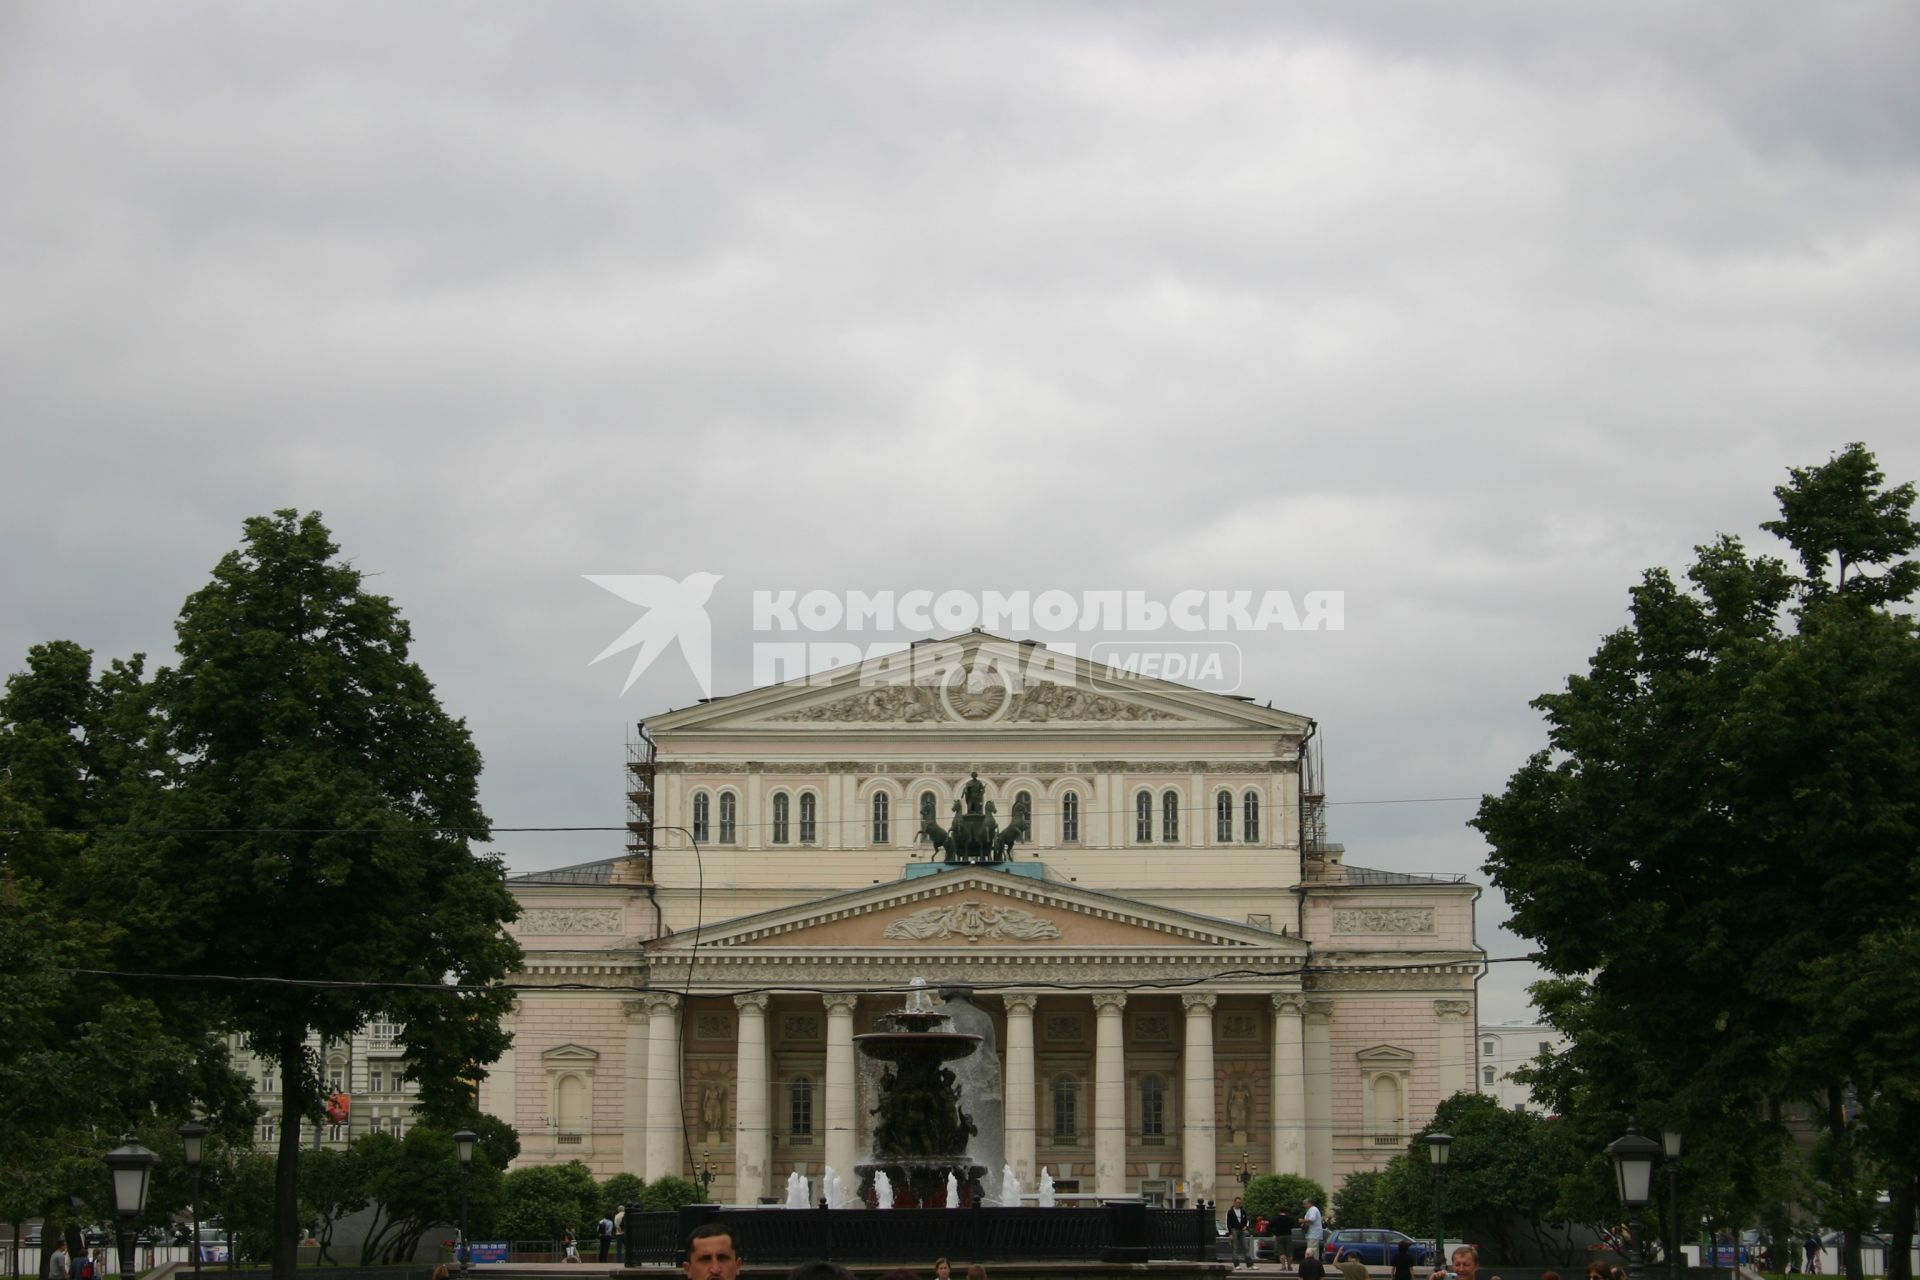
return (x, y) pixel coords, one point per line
(674, 611)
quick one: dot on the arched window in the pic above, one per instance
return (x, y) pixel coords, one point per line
(800, 1107)
(1066, 1107)
(1143, 818)
(1170, 817)
(808, 811)
(1153, 1107)
(1486, 1075)
(1023, 814)
(780, 807)
(882, 824)
(701, 803)
(1070, 818)
(1250, 818)
(1223, 818)
(729, 810)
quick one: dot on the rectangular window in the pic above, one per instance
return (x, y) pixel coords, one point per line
(377, 1082)
(1070, 819)
(1546, 1050)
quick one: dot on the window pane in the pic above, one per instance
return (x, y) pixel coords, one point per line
(728, 808)
(1153, 1107)
(1250, 817)
(700, 809)
(780, 805)
(882, 825)
(1143, 818)
(800, 1108)
(1069, 818)
(1223, 818)
(1065, 1106)
(807, 803)
(1170, 817)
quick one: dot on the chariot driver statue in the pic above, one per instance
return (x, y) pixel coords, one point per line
(974, 792)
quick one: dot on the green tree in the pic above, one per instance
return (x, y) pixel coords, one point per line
(415, 1183)
(622, 1189)
(669, 1191)
(323, 809)
(1730, 779)
(1354, 1204)
(1271, 1193)
(544, 1200)
(333, 1184)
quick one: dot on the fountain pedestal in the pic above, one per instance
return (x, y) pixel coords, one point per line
(921, 1132)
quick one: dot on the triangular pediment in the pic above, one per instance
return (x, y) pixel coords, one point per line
(972, 910)
(976, 681)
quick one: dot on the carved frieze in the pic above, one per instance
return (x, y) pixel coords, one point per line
(799, 1026)
(713, 1026)
(1063, 1028)
(885, 704)
(555, 920)
(1383, 920)
(1044, 703)
(973, 920)
(1239, 1026)
(1153, 1028)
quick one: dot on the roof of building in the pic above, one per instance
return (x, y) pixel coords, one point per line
(583, 873)
(1343, 874)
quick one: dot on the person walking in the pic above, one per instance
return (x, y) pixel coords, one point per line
(1283, 1237)
(604, 1229)
(57, 1265)
(1316, 1228)
(1403, 1260)
(1237, 1231)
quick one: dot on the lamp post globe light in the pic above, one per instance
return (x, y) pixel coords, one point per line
(1670, 1141)
(1244, 1171)
(132, 1166)
(463, 1146)
(1438, 1145)
(193, 1147)
(1633, 1156)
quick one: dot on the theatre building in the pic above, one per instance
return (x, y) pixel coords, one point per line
(1181, 975)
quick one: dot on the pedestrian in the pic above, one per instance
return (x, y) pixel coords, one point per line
(1283, 1237)
(710, 1253)
(604, 1229)
(569, 1250)
(1311, 1267)
(620, 1233)
(1466, 1262)
(1237, 1231)
(942, 1270)
(1351, 1268)
(57, 1265)
(1403, 1261)
(1316, 1228)
(976, 1272)
(1811, 1245)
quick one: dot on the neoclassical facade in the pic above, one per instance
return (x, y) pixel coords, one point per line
(1180, 977)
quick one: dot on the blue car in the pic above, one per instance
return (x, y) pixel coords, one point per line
(1375, 1246)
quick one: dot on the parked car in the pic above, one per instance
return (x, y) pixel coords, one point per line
(1375, 1246)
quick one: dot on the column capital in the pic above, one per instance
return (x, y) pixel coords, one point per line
(1291, 1004)
(1109, 1001)
(755, 1000)
(1452, 1008)
(1319, 1007)
(661, 1002)
(1198, 1000)
(841, 1001)
(1020, 1001)
(633, 1010)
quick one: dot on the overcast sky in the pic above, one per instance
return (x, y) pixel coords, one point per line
(1469, 311)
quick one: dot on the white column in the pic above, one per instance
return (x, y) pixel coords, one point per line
(752, 1137)
(1317, 1054)
(1198, 1156)
(841, 1142)
(1288, 1069)
(664, 1145)
(1110, 1096)
(1018, 1085)
(1456, 1036)
(633, 1103)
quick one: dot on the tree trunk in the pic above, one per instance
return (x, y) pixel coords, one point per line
(1844, 1178)
(1900, 1242)
(286, 1171)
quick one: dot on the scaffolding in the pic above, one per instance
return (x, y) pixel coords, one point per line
(1313, 807)
(641, 753)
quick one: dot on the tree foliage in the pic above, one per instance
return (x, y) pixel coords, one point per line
(1727, 808)
(668, 1192)
(542, 1201)
(1272, 1193)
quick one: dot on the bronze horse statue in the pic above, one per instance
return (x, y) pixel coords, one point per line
(938, 836)
(1010, 835)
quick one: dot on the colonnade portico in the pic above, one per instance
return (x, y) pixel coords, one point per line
(1120, 1140)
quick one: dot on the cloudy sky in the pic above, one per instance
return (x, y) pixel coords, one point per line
(1471, 312)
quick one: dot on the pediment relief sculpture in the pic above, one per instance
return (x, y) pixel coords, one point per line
(968, 703)
(973, 920)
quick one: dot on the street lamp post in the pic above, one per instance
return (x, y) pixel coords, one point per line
(1671, 1142)
(132, 1166)
(193, 1145)
(1633, 1157)
(463, 1145)
(705, 1176)
(1437, 1147)
(1244, 1171)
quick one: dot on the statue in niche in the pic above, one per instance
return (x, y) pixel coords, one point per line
(1239, 1110)
(713, 1109)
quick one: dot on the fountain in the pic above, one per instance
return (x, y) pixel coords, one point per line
(1046, 1188)
(1009, 1187)
(882, 1190)
(797, 1191)
(920, 1134)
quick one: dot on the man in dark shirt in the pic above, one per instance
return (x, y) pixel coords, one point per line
(1311, 1267)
